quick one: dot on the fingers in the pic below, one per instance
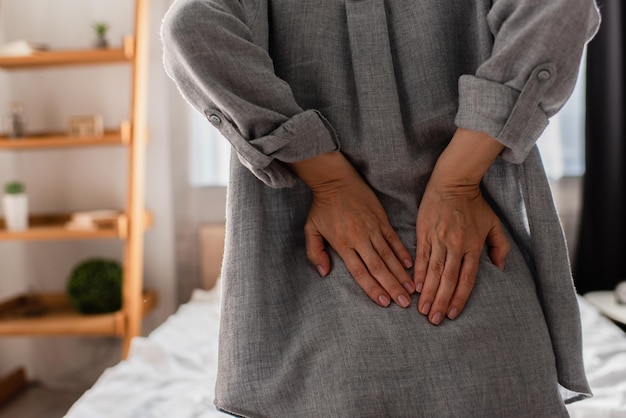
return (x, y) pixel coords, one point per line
(467, 279)
(374, 265)
(315, 249)
(393, 252)
(378, 272)
(498, 245)
(449, 282)
(439, 283)
(398, 247)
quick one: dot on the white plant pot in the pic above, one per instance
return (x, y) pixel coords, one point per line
(15, 211)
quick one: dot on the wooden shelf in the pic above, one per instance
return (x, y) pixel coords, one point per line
(52, 314)
(71, 57)
(52, 227)
(62, 140)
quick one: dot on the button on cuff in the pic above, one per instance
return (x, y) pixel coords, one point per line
(215, 119)
(544, 75)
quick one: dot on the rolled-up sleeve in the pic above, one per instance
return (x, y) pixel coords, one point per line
(537, 48)
(210, 52)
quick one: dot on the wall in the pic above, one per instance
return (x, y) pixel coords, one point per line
(82, 179)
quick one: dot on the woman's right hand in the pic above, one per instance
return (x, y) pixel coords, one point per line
(347, 214)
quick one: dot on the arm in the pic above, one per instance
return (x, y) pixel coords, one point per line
(210, 52)
(503, 108)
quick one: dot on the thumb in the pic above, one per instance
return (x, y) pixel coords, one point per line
(498, 245)
(315, 249)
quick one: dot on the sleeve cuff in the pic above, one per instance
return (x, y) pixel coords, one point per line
(304, 136)
(514, 118)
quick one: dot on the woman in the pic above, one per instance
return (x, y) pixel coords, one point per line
(372, 138)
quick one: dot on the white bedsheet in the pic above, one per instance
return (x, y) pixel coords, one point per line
(172, 372)
(604, 349)
(169, 374)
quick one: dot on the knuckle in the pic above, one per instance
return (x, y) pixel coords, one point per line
(359, 273)
(375, 266)
(422, 256)
(457, 239)
(450, 278)
(468, 280)
(437, 267)
(311, 254)
(309, 227)
(373, 292)
(385, 252)
(390, 236)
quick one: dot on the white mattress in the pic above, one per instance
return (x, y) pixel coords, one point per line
(172, 372)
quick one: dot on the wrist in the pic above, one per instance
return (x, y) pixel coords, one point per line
(466, 159)
(324, 170)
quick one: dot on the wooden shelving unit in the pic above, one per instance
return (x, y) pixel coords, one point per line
(52, 314)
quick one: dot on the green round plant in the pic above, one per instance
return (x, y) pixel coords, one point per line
(14, 187)
(95, 286)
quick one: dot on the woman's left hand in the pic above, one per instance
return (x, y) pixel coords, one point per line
(454, 222)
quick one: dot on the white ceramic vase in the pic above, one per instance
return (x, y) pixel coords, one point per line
(15, 211)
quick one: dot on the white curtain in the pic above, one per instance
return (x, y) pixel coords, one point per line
(209, 157)
(562, 145)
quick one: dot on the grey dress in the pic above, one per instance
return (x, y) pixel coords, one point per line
(387, 81)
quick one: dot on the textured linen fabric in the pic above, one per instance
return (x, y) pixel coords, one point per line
(388, 81)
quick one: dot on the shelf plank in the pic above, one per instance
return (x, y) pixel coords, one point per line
(52, 314)
(66, 57)
(52, 227)
(62, 140)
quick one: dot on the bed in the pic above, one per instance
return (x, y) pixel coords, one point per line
(171, 372)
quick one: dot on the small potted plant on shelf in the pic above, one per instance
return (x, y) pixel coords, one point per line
(15, 204)
(101, 29)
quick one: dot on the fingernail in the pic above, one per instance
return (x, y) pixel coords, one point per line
(321, 271)
(409, 287)
(407, 263)
(404, 301)
(383, 300)
(437, 318)
(454, 312)
(426, 308)
(502, 266)
(419, 287)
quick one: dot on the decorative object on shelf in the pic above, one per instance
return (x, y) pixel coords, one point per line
(21, 48)
(15, 122)
(89, 220)
(95, 286)
(101, 29)
(85, 126)
(15, 204)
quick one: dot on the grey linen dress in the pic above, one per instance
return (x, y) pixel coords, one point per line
(388, 81)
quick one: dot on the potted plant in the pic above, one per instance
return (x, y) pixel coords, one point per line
(101, 29)
(15, 204)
